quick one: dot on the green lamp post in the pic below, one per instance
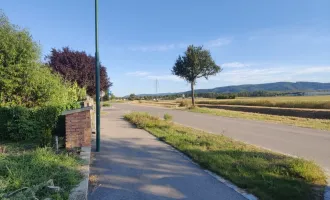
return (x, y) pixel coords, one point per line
(97, 80)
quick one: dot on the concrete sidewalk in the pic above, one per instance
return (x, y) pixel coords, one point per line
(133, 164)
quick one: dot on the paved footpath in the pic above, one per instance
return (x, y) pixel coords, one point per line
(133, 164)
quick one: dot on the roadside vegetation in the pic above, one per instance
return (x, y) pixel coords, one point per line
(106, 104)
(30, 168)
(296, 102)
(268, 175)
(32, 97)
(321, 124)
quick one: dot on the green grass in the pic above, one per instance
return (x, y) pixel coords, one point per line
(268, 175)
(168, 117)
(106, 104)
(311, 102)
(28, 166)
(321, 124)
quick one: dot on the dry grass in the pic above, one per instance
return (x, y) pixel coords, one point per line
(93, 179)
(321, 124)
(312, 102)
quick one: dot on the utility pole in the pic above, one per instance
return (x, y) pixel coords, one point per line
(156, 89)
(97, 79)
(157, 86)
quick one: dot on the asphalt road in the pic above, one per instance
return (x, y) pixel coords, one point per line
(303, 142)
(134, 165)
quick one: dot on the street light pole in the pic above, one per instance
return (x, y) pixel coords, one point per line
(97, 79)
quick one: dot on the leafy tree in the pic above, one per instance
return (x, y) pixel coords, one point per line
(106, 96)
(132, 97)
(16, 44)
(196, 63)
(77, 66)
(24, 80)
(112, 97)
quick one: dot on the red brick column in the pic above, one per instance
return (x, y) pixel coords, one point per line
(78, 129)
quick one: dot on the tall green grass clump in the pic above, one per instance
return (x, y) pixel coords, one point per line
(32, 168)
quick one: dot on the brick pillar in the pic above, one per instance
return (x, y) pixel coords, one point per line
(78, 129)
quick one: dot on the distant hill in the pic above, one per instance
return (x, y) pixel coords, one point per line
(278, 86)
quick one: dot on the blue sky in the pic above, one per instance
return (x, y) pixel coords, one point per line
(254, 41)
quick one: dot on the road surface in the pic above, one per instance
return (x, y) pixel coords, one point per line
(303, 142)
(133, 164)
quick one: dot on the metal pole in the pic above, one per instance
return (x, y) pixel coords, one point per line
(97, 80)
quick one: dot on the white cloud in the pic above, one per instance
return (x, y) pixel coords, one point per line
(273, 74)
(235, 65)
(312, 70)
(149, 75)
(138, 73)
(165, 78)
(217, 43)
(166, 47)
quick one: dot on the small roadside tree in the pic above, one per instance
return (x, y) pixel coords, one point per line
(132, 97)
(195, 63)
(112, 97)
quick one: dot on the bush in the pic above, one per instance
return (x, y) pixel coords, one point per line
(168, 117)
(226, 96)
(38, 124)
(106, 97)
(185, 103)
(106, 105)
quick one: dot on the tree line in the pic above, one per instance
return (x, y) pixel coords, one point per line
(215, 95)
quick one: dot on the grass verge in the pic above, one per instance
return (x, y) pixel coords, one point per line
(34, 166)
(106, 104)
(266, 174)
(321, 124)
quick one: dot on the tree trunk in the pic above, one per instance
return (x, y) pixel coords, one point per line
(192, 94)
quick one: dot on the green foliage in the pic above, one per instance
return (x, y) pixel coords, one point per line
(112, 97)
(37, 124)
(106, 104)
(226, 96)
(132, 97)
(34, 167)
(24, 81)
(266, 174)
(196, 63)
(106, 97)
(17, 46)
(168, 117)
(33, 86)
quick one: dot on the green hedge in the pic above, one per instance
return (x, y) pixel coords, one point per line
(36, 124)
